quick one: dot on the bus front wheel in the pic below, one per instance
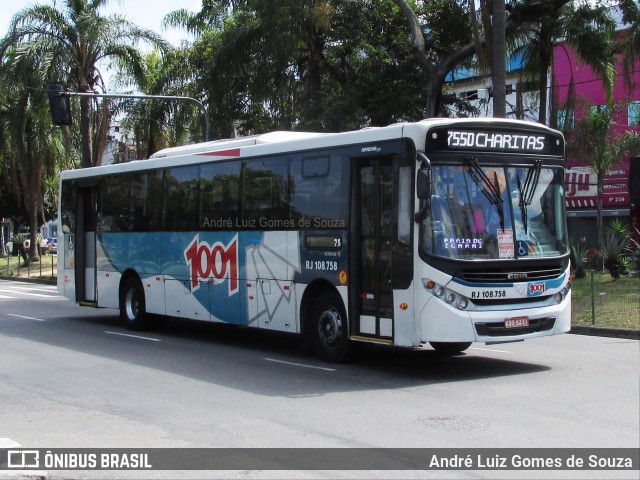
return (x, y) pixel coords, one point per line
(450, 348)
(132, 305)
(328, 328)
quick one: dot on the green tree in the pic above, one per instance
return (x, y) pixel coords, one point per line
(303, 65)
(74, 38)
(595, 140)
(158, 124)
(528, 22)
(631, 44)
(27, 143)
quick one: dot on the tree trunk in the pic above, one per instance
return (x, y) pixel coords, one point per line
(85, 131)
(34, 255)
(599, 222)
(498, 60)
(545, 52)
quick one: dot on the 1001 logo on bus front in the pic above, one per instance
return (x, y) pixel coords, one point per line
(215, 263)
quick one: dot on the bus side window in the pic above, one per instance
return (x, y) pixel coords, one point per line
(182, 190)
(220, 195)
(114, 204)
(317, 188)
(265, 190)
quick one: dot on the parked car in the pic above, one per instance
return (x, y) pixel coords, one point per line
(53, 245)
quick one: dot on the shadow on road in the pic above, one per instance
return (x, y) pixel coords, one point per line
(242, 358)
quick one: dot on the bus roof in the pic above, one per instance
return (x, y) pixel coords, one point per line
(271, 137)
(285, 141)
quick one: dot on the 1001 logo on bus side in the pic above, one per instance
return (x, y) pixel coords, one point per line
(215, 263)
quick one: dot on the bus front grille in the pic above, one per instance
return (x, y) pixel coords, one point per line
(516, 274)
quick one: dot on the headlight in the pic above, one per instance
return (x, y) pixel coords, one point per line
(447, 295)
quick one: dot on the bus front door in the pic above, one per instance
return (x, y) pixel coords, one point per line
(85, 246)
(373, 212)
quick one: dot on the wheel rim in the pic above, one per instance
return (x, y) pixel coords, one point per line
(131, 304)
(330, 327)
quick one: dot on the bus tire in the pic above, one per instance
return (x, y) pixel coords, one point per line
(450, 348)
(328, 328)
(133, 311)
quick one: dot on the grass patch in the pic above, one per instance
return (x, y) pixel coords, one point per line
(46, 268)
(616, 302)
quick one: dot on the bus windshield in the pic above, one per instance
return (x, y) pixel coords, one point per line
(495, 212)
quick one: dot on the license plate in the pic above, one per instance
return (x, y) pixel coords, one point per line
(516, 322)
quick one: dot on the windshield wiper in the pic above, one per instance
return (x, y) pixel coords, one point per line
(527, 190)
(489, 187)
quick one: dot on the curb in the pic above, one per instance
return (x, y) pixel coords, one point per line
(606, 332)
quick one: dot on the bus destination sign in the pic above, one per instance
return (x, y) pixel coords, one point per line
(494, 140)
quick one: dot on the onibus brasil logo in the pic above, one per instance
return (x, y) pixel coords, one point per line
(215, 263)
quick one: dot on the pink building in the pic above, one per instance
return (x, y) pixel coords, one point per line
(571, 77)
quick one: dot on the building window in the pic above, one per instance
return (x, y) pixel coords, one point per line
(599, 109)
(565, 120)
(634, 114)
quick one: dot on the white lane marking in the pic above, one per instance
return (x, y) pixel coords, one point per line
(26, 318)
(299, 364)
(7, 297)
(6, 442)
(133, 336)
(22, 287)
(489, 350)
(29, 293)
(51, 290)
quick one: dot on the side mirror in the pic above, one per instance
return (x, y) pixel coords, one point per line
(423, 184)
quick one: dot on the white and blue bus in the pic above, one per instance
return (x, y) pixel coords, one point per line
(444, 231)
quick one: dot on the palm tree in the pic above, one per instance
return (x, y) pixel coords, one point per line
(157, 124)
(498, 58)
(435, 66)
(631, 46)
(75, 38)
(594, 140)
(588, 29)
(26, 148)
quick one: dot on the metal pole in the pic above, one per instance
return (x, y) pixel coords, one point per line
(593, 300)
(207, 123)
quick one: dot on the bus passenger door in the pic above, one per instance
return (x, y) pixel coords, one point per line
(85, 246)
(372, 292)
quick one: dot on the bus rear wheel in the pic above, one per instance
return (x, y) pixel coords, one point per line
(329, 328)
(132, 305)
(450, 348)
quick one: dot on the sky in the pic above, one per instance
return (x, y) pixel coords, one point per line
(145, 13)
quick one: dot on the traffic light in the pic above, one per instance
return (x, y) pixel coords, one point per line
(59, 104)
